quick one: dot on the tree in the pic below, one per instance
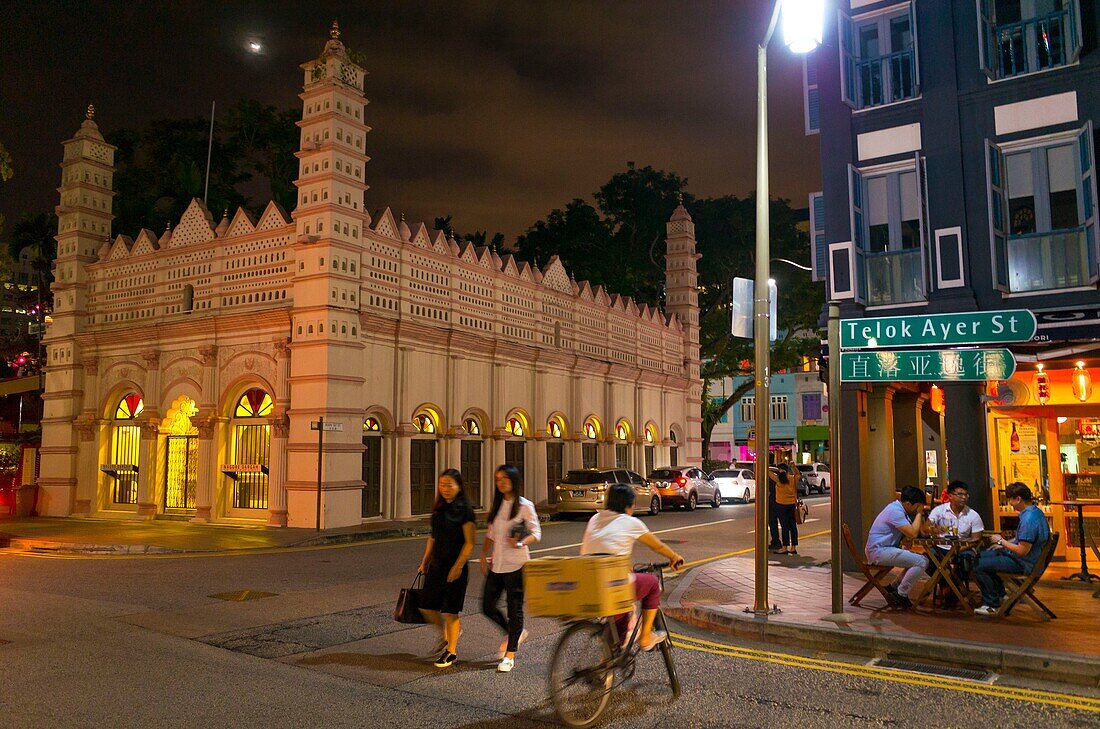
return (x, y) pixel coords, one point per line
(621, 246)
(263, 141)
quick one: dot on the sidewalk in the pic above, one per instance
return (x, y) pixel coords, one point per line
(1067, 649)
(94, 535)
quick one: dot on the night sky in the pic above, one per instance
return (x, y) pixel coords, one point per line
(493, 112)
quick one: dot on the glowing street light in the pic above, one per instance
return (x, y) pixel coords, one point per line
(803, 23)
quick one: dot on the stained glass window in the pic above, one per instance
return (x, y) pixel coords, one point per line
(371, 424)
(254, 404)
(515, 427)
(620, 431)
(129, 407)
(554, 429)
(649, 435)
(472, 427)
(589, 430)
(424, 423)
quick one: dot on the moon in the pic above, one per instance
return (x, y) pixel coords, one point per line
(255, 46)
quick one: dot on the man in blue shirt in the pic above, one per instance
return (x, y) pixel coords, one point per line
(901, 518)
(1016, 555)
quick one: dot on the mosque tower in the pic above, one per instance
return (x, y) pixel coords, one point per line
(682, 299)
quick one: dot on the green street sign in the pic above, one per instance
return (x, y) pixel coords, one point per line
(938, 330)
(972, 365)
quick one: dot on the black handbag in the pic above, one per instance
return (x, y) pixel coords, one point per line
(408, 603)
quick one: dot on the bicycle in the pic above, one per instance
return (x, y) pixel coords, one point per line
(588, 657)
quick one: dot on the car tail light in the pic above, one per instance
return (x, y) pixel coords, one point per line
(681, 481)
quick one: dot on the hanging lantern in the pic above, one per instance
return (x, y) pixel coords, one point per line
(935, 399)
(1082, 382)
(1042, 385)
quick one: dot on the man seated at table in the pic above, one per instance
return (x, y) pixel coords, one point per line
(901, 519)
(1012, 555)
(957, 519)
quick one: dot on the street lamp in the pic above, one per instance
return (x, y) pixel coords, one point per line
(803, 23)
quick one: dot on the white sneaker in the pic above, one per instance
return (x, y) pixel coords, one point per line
(985, 610)
(506, 665)
(655, 639)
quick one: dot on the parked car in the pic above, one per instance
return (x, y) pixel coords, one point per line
(685, 486)
(817, 477)
(585, 490)
(736, 484)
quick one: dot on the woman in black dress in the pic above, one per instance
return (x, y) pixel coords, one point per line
(444, 563)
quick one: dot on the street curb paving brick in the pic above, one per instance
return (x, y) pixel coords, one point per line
(1020, 662)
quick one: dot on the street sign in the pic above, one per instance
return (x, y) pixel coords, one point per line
(938, 330)
(971, 365)
(316, 425)
(741, 308)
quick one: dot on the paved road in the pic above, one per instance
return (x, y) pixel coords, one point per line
(140, 642)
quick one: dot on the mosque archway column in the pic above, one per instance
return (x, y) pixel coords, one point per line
(402, 493)
(208, 474)
(452, 445)
(88, 429)
(209, 357)
(147, 468)
(497, 452)
(537, 487)
(276, 471)
(573, 459)
(606, 458)
(637, 455)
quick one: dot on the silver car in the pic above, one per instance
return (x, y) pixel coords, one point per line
(585, 491)
(685, 486)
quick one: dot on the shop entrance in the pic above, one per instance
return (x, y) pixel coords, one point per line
(422, 476)
(182, 472)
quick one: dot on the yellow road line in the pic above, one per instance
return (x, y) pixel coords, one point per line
(1049, 698)
(745, 551)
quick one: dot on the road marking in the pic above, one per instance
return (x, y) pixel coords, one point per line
(1081, 703)
(698, 562)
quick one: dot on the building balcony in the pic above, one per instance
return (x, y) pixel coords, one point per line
(1044, 261)
(1032, 44)
(894, 277)
(885, 79)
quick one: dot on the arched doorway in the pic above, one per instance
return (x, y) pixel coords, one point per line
(515, 447)
(673, 449)
(251, 452)
(470, 459)
(372, 467)
(651, 440)
(181, 472)
(555, 456)
(590, 449)
(422, 457)
(125, 449)
(623, 435)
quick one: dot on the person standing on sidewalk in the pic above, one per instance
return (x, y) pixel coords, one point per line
(1012, 555)
(884, 541)
(786, 501)
(773, 515)
(513, 525)
(444, 563)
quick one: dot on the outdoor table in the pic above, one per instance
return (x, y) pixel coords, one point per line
(1084, 575)
(942, 562)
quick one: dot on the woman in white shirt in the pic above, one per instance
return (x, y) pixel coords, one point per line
(614, 531)
(513, 524)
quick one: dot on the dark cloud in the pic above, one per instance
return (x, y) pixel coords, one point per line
(494, 112)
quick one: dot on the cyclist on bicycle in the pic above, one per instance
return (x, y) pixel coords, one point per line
(614, 531)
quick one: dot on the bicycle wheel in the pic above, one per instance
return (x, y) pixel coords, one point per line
(666, 653)
(581, 674)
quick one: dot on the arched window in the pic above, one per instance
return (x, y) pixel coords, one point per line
(424, 423)
(254, 404)
(553, 429)
(590, 431)
(621, 431)
(129, 407)
(515, 427)
(472, 426)
(188, 297)
(371, 425)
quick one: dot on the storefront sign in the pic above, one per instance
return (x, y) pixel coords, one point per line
(974, 365)
(942, 330)
(242, 468)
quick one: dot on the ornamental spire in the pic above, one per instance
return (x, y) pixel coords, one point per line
(90, 113)
(334, 32)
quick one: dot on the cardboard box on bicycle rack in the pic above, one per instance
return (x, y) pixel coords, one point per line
(578, 587)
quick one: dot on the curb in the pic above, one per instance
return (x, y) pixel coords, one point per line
(1060, 667)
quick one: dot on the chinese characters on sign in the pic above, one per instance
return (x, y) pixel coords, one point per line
(927, 366)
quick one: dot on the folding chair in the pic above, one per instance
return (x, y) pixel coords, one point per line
(1096, 551)
(874, 573)
(1022, 587)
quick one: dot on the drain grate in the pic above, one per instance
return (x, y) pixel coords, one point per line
(242, 595)
(929, 669)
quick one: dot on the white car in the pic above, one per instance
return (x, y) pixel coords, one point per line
(818, 477)
(736, 484)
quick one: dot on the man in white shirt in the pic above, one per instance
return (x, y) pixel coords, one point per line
(614, 531)
(960, 520)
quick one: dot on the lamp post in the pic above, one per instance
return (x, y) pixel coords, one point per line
(803, 22)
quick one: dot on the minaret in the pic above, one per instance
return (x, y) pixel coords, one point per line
(682, 299)
(326, 372)
(84, 222)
